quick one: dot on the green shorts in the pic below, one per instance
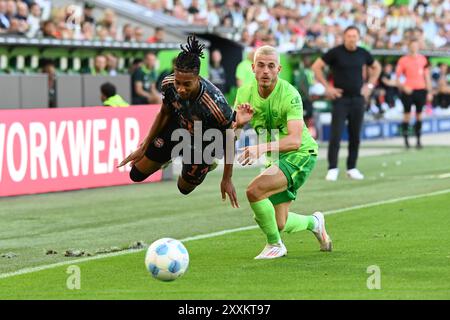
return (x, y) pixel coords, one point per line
(297, 168)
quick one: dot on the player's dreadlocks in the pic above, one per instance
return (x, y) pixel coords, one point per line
(189, 58)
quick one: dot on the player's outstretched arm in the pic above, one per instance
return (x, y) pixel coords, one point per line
(244, 114)
(160, 122)
(226, 185)
(291, 142)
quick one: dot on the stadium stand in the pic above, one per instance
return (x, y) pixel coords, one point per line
(73, 33)
(294, 24)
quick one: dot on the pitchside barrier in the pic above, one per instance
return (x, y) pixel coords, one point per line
(46, 150)
(32, 91)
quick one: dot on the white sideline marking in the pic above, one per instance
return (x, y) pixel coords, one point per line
(209, 235)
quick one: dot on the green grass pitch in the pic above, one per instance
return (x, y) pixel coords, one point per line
(409, 240)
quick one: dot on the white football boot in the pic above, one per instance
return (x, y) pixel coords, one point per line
(272, 251)
(321, 233)
(332, 174)
(355, 174)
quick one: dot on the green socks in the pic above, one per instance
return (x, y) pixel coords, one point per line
(296, 223)
(265, 218)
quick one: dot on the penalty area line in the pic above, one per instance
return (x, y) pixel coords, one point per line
(210, 235)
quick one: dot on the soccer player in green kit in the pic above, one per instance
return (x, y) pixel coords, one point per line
(277, 105)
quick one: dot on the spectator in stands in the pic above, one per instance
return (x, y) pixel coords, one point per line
(416, 89)
(144, 82)
(244, 71)
(158, 36)
(109, 22)
(388, 85)
(135, 65)
(48, 68)
(22, 11)
(11, 9)
(112, 64)
(88, 15)
(46, 8)
(34, 20)
(127, 33)
(217, 74)
(164, 74)
(100, 64)
(103, 34)
(303, 80)
(196, 14)
(178, 11)
(87, 31)
(349, 95)
(443, 91)
(213, 18)
(4, 20)
(110, 98)
(49, 30)
(18, 15)
(138, 34)
(16, 28)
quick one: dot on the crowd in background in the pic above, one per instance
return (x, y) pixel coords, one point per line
(287, 24)
(42, 19)
(296, 24)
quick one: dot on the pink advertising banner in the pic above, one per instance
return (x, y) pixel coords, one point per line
(46, 150)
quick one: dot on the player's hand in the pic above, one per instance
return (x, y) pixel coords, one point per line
(133, 157)
(250, 155)
(244, 113)
(429, 97)
(227, 188)
(333, 93)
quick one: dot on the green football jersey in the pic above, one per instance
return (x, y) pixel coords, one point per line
(274, 112)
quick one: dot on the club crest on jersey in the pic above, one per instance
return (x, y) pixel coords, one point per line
(296, 100)
(159, 142)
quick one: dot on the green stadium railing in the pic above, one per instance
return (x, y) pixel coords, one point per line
(21, 55)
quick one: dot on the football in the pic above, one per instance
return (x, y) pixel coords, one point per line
(167, 259)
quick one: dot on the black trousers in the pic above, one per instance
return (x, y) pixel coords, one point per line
(351, 109)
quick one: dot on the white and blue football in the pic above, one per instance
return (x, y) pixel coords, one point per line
(167, 259)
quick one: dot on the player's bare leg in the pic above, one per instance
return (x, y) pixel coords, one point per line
(281, 214)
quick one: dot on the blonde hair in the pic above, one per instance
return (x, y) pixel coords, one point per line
(266, 51)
